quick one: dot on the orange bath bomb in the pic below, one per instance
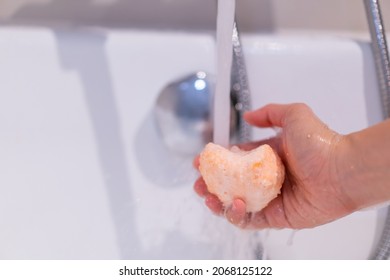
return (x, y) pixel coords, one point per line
(254, 176)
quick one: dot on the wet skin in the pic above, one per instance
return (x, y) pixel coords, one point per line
(328, 175)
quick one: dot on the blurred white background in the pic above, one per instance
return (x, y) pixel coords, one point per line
(252, 15)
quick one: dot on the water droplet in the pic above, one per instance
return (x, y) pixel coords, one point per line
(239, 106)
(236, 87)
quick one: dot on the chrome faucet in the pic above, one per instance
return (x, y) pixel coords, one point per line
(382, 63)
(183, 108)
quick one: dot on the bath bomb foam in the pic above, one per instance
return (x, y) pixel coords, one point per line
(254, 176)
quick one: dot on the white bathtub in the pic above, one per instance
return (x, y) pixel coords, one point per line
(84, 175)
(83, 172)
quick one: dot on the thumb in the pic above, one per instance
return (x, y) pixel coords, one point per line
(272, 115)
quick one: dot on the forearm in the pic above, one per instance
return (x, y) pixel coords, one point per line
(364, 171)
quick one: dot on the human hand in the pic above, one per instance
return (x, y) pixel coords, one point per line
(311, 194)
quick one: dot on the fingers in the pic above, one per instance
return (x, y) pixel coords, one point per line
(214, 204)
(200, 187)
(272, 115)
(272, 216)
(268, 116)
(211, 200)
(195, 162)
(274, 142)
(236, 214)
(253, 145)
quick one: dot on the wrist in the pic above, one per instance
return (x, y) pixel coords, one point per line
(363, 166)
